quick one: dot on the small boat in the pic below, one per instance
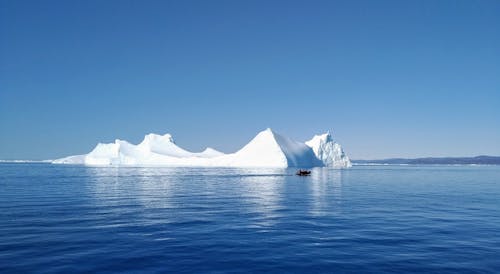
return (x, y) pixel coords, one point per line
(301, 172)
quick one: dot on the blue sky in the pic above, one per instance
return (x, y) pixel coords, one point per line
(389, 78)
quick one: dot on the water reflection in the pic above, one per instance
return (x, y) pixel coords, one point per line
(326, 191)
(169, 194)
(150, 187)
(261, 193)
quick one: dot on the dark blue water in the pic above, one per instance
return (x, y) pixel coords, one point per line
(67, 219)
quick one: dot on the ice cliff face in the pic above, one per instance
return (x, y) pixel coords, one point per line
(328, 152)
(267, 149)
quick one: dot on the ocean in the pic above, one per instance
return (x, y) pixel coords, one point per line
(367, 219)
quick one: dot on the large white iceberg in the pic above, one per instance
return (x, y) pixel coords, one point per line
(267, 149)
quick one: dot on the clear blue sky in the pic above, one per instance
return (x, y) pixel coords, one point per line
(390, 78)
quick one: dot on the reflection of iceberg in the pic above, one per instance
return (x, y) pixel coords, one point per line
(261, 193)
(122, 187)
(326, 191)
(256, 199)
(170, 194)
(267, 149)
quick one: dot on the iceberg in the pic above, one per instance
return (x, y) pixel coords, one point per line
(266, 149)
(328, 152)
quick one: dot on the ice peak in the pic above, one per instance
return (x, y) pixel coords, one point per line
(322, 138)
(210, 152)
(268, 131)
(209, 149)
(328, 151)
(157, 137)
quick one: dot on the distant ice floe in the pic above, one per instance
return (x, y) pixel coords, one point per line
(267, 149)
(26, 161)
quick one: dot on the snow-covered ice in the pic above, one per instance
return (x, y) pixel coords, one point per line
(267, 149)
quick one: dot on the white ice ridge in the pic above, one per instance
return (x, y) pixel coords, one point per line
(267, 149)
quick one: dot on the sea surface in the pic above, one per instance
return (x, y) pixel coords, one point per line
(399, 219)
